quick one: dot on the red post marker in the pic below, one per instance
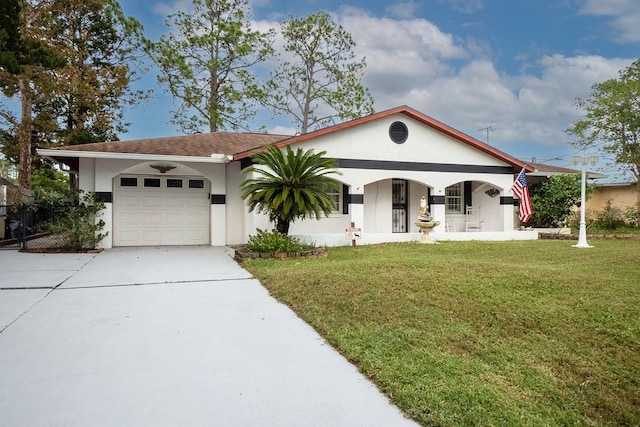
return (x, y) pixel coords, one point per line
(354, 233)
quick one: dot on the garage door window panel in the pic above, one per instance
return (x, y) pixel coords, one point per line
(174, 183)
(128, 182)
(152, 182)
(196, 183)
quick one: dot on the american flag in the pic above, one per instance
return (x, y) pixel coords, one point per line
(521, 190)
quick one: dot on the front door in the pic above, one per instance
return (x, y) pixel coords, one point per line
(399, 189)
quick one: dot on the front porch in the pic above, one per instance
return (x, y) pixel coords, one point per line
(387, 209)
(342, 239)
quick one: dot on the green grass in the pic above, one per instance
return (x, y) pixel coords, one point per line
(595, 228)
(481, 333)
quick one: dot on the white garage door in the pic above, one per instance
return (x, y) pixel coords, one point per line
(153, 210)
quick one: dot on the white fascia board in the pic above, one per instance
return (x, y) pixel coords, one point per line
(549, 173)
(214, 158)
(591, 175)
(615, 184)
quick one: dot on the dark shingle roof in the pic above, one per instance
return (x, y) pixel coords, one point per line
(542, 167)
(197, 145)
(544, 170)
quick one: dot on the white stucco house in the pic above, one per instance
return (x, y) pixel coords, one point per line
(184, 190)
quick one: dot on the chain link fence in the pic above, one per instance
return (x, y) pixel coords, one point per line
(25, 226)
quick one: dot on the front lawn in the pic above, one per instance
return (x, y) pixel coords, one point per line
(481, 333)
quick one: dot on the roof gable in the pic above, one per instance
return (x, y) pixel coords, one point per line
(409, 112)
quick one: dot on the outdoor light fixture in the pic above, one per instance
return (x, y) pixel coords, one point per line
(163, 168)
(492, 192)
(583, 161)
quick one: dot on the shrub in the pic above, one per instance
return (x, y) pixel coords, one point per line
(273, 241)
(78, 227)
(610, 217)
(633, 214)
(573, 220)
(553, 200)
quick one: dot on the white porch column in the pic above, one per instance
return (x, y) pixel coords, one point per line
(356, 210)
(107, 216)
(506, 207)
(218, 208)
(218, 218)
(438, 208)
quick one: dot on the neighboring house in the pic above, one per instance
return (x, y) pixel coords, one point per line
(620, 195)
(185, 190)
(8, 192)
(543, 171)
(5, 190)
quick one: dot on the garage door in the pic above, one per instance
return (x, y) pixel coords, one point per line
(153, 210)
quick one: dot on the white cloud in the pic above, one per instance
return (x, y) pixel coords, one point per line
(282, 130)
(624, 15)
(400, 54)
(412, 62)
(406, 9)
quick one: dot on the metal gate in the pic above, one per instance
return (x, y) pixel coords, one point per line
(16, 223)
(399, 196)
(24, 225)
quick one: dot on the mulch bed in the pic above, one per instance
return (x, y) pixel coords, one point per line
(243, 254)
(556, 236)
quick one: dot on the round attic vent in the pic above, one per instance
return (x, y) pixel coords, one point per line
(398, 132)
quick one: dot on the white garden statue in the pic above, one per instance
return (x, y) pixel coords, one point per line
(425, 222)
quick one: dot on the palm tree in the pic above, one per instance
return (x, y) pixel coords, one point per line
(290, 186)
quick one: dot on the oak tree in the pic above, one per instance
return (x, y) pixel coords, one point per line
(23, 58)
(78, 92)
(85, 100)
(612, 119)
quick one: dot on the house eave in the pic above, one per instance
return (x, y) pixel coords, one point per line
(543, 174)
(55, 155)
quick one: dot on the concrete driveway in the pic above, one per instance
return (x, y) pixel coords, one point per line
(178, 336)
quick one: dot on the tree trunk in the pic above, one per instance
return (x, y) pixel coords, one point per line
(214, 99)
(25, 130)
(304, 126)
(282, 225)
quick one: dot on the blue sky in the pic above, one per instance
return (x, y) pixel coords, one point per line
(515, 65)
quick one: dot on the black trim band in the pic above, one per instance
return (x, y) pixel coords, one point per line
(421, 167)
(506, 200)
(245, 163)
(104, 196)
(218, 199)
(468, 193)
(345, 199)
(356, 199)
(436, 200)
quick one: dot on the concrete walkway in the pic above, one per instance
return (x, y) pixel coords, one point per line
(178, 336)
